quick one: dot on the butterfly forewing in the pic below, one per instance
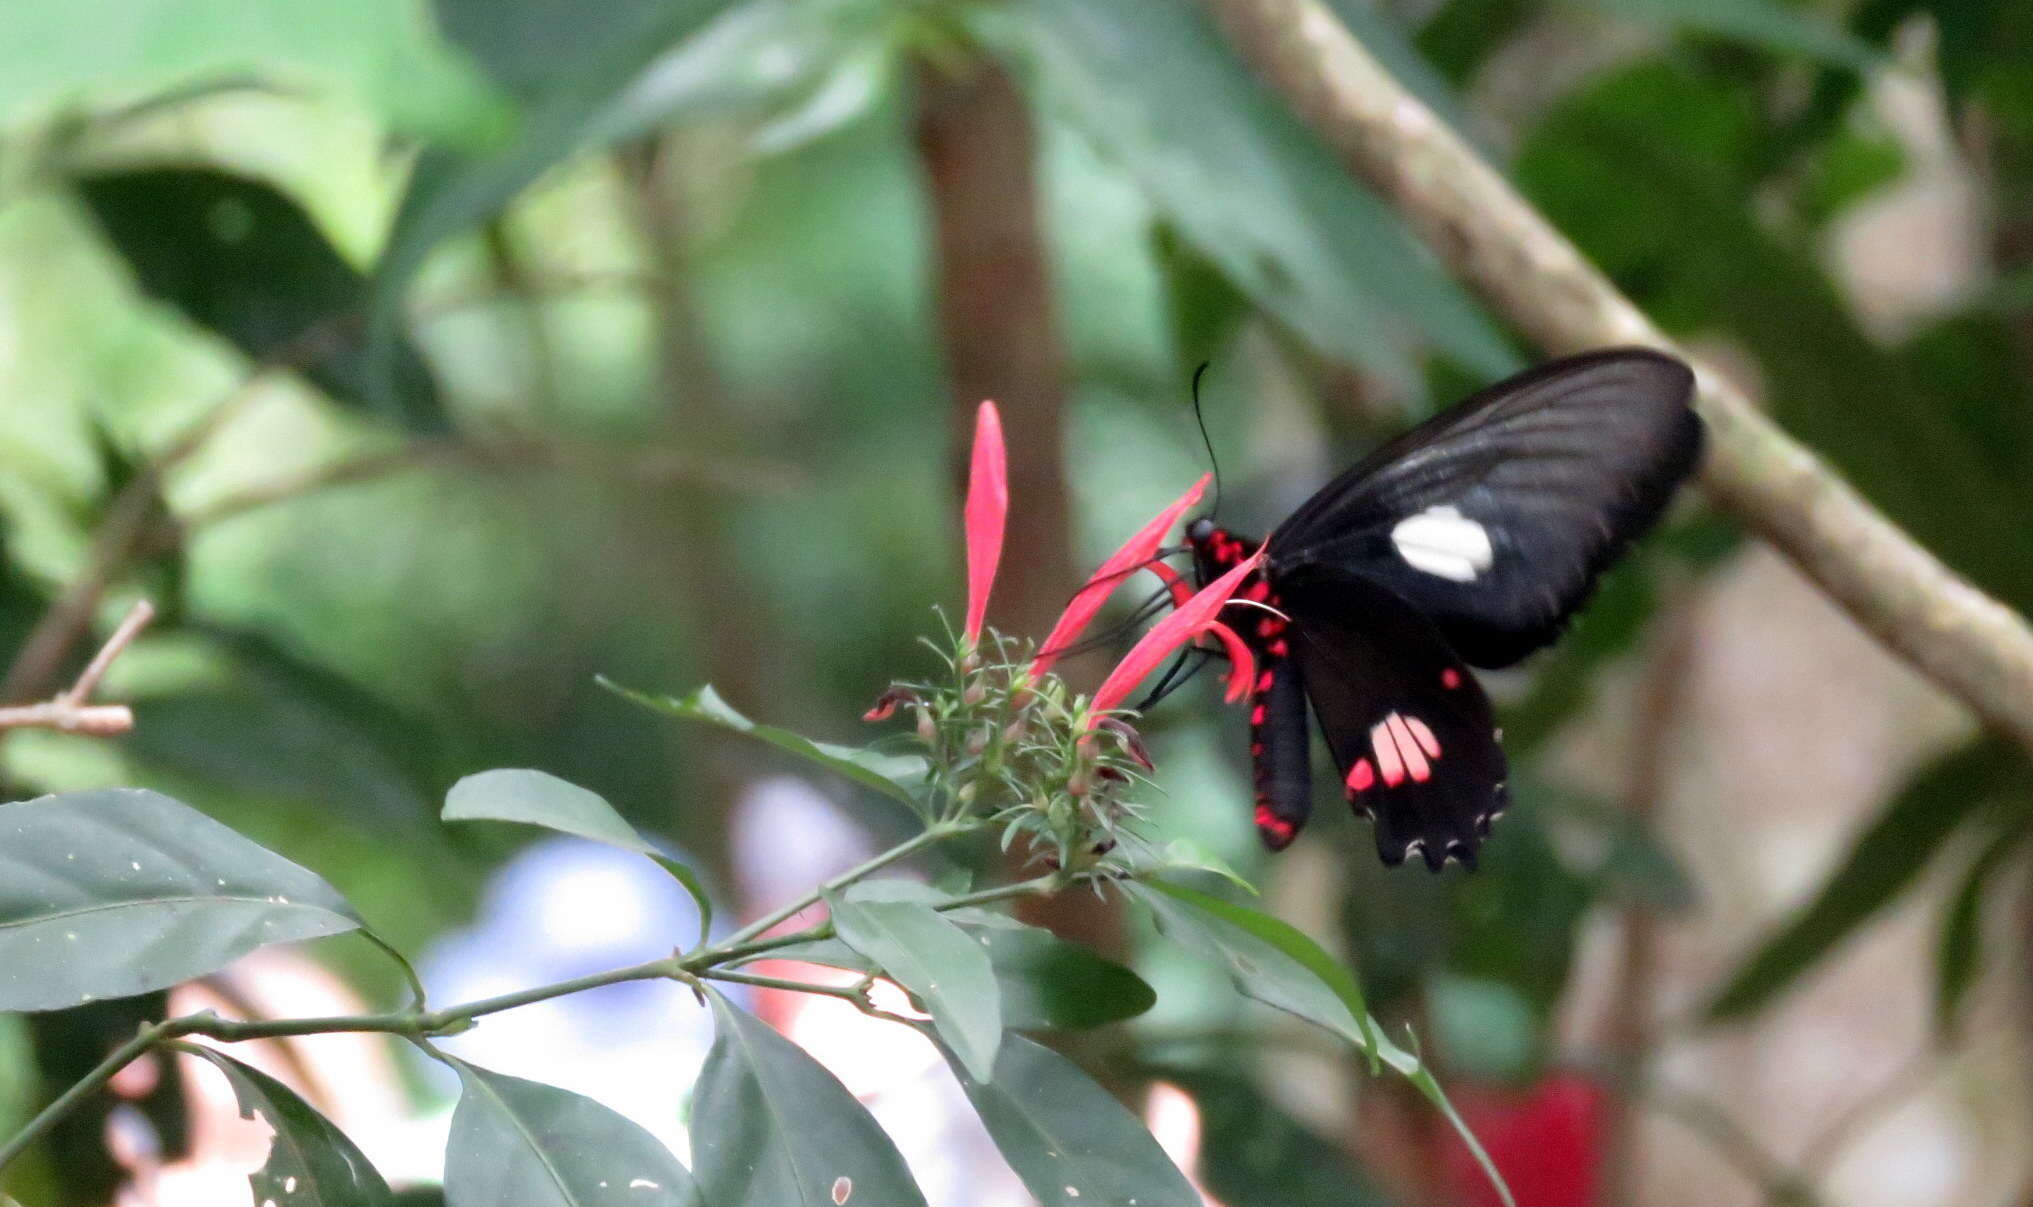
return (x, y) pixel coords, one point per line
(1412, 734)
(1494, 518)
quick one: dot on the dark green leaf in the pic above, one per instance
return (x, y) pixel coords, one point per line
(772, 1128)
(943, 967)
(270, 723)
(538, 798)
(1882, 863)
(517, 1143)
(1762, 23)
(1045, 981)
(890, 774)
(1960, 958)
(246, 263)
(1048, 982)
(310, 1162)
(1235, 174)
(114, 891)
(1069, 1140)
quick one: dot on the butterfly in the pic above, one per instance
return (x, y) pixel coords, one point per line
(1468, 541)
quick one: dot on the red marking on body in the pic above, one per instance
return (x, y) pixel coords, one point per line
(1361, 777)
(1408, 749)
(1267, 627)
(1423, 732)
(1264, 681)
(1256, 715)
(1279, 649)
(1386, 749)
(1450, 678)
(1277, 832)
(1258, 591)
(1256, 750)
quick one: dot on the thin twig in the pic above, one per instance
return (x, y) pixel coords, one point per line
(420, 1025)
(70, 711)
(1969, 644)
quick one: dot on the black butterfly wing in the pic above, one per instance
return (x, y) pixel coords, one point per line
(1494, 517)
(1411, 731)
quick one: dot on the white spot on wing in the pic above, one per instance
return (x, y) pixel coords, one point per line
(1442, 542)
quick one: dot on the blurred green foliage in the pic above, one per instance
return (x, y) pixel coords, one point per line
(424, 227)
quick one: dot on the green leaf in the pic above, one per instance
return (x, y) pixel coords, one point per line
(1275, 963)
(541, 799)
(1069, 1140)
(517, 1143)
(1045, 982)
(310, 1162)
(1960, 957)
(381, 52)
(114, 891)
(1236, 175)
(772, 1128)
(538, 798)
(571, 65)
(1241, 939)
(1884, 861)
(890, 774)
(941, 965)
(244, 261)
(1762, 23)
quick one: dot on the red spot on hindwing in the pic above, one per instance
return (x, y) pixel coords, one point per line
(1361, 777)
(1276, 831)
(1450, 678)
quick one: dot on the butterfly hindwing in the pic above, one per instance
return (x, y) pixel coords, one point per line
(1412, 733)
(1493, 518)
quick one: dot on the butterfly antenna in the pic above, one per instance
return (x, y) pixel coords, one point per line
(1173, 678)
(1200, 420)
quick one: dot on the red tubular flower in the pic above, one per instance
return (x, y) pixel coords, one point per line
(1135, 553)
(1196, 616)
(987, 508)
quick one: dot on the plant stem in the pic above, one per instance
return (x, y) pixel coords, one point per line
(844, 992)
(910, 846)
(90, 1084)
(419, 1025)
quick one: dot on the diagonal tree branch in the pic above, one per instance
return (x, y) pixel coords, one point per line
(1969, 644)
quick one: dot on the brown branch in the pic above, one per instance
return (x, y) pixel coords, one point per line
(1969, 644)
(652, 467)
(69, 711)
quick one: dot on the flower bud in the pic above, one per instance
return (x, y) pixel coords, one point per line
(1132, 742)
(928, 729)
(886, 704)
(977, 740)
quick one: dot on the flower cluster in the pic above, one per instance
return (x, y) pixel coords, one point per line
(1007, 738)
